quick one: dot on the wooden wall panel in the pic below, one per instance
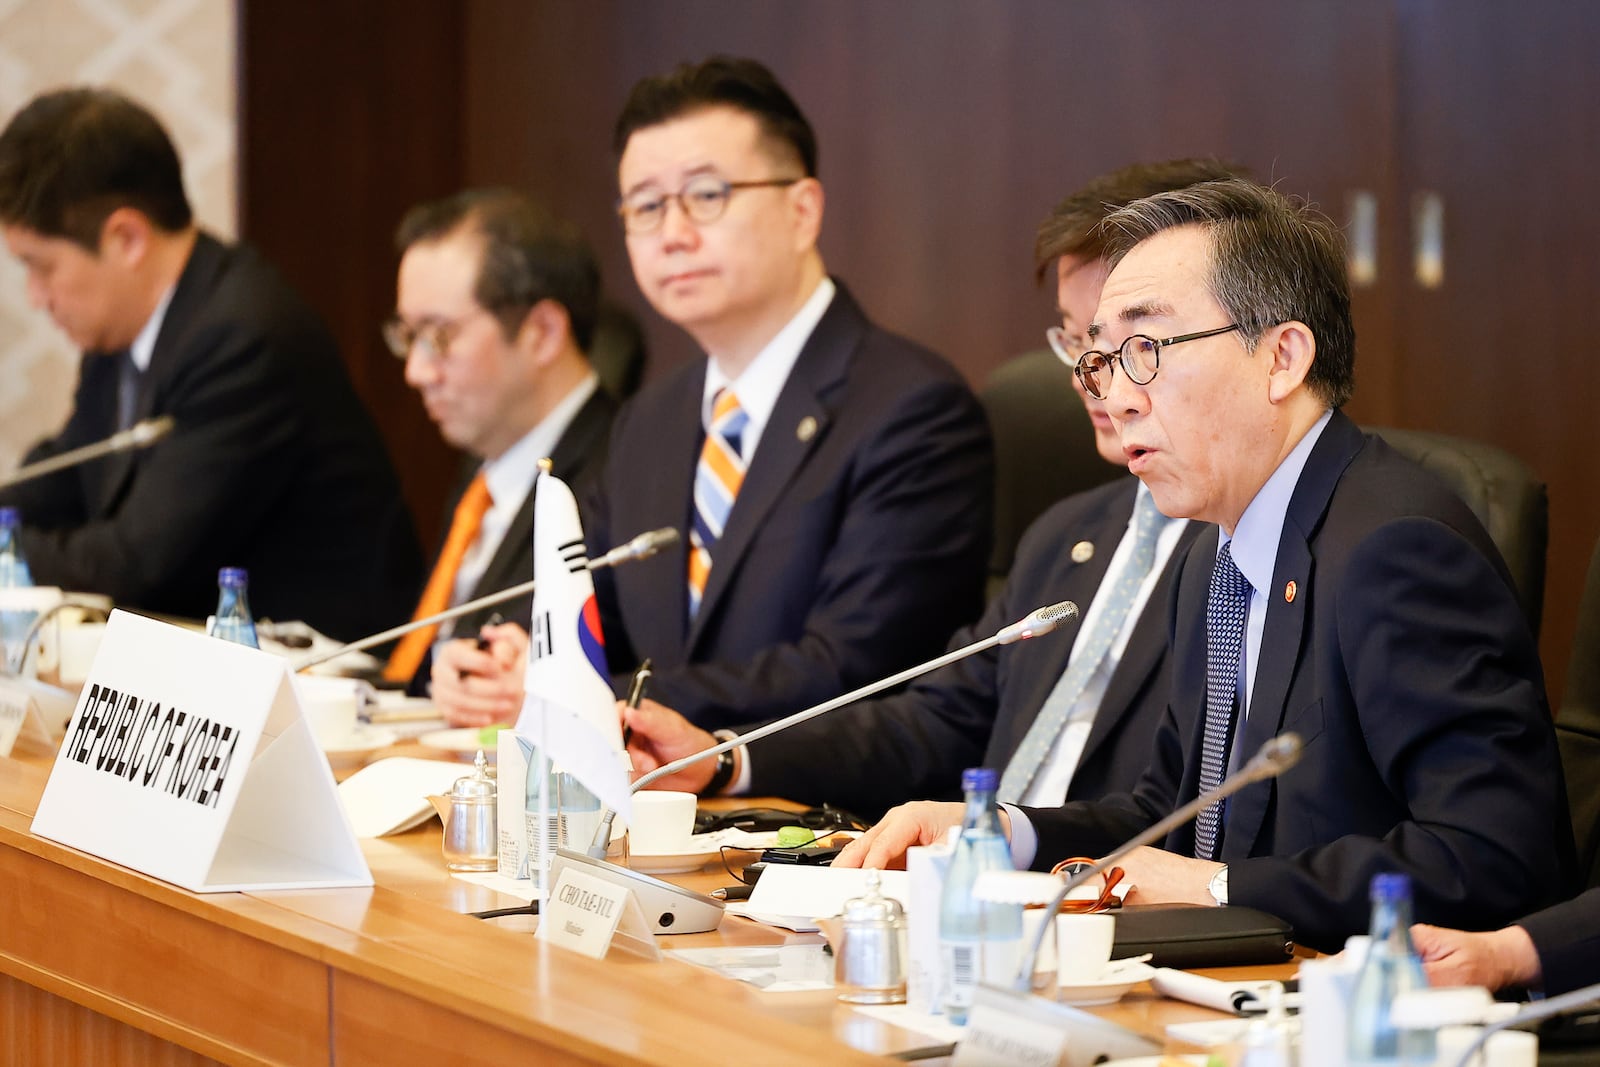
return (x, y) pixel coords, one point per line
(947, 130)
(42, 1030)
(349, 114)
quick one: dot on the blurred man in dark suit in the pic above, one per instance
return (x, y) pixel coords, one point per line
(496, 306)
(273, 465)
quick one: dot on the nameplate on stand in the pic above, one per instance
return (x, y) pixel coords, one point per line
(1005, 1028)
(32, 711)
(587, 914)
(189, 759)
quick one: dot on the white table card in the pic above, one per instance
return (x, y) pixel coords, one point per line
(188, 758)
(585, 914)
(31, 710)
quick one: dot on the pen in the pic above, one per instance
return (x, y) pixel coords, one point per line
(732, 892)
(635, 694)
(483, 641)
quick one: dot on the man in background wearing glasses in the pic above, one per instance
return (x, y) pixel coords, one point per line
(272, 465)
(832, 483)
(495, 309)
(1071, 714)
(1345, 595)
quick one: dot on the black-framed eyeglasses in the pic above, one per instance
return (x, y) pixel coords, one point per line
(703, 198)
(1139, 355)
(432, 337)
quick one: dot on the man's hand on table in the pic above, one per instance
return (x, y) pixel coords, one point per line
(1161, 877)
(659, 736)
(475, 686)
(923, 822)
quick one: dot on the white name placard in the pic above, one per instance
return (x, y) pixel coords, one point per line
(585, 914)
(188, 758)
(31, 710)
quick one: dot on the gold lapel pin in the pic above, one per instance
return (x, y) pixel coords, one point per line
(1083, 552)
(1289, 591)
(807, 429)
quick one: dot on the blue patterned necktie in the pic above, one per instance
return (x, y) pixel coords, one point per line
(1227, 606)
(1057, 709)
(717, 479)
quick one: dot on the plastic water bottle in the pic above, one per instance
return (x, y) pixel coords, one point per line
(549, 828)
(14, 574)
(978, 940)
(1392, 967)
(580, 813)
(233, 621)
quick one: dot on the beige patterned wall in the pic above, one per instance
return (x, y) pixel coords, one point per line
(177, 57)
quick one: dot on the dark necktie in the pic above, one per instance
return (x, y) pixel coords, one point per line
(128, 377)
(1227, 606)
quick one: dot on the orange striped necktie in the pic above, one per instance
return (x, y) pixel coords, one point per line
(407, 655)
(716, 485)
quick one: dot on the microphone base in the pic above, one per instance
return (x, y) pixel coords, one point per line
(668, 909)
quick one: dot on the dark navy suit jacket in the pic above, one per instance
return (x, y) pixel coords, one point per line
(1567, 937)
(871, 756)
(857, 544)
(1406, 667)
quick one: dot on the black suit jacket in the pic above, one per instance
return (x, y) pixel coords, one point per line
(1567, 937)
(856, 547)
(273, 466)
(1407, 669)
(871, 756)
(577, 459)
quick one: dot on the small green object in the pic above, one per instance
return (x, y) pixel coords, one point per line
(488, 735)
(794, 836)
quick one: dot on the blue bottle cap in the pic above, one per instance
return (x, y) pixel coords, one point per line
(985, 778)
(1391, 886)
(235, 577)
(10, 517)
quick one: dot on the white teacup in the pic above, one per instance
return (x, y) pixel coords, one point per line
(663, 822)
(1083, 947)
(332, 718)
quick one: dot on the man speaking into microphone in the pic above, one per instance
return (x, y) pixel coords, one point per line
(272, 463)
(1345, 595)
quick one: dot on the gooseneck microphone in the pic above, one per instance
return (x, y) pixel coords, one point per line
(139, 435)
(1276, 756)
(1037, 623)
(643, 546)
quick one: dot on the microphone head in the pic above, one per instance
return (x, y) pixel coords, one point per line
(1038, 622)
(1277, 755)
(149, 431)
(650, 542)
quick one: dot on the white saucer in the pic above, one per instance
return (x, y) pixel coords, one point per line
(1107, 989)
(463, 742)
(357, 745)
(670, 862)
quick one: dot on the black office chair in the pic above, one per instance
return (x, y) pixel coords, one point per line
(1044, 447)
(1508, 498)
(1578, 728)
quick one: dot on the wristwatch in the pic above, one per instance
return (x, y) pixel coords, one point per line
(1218, 886)
(724, 772)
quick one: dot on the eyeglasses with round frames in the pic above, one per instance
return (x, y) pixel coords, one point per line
(1139, 355)
(432, 337)
(703, 198)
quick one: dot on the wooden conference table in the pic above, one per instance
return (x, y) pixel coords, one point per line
(99, 964)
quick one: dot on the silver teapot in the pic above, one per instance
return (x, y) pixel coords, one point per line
(471, 837)
(870, 951)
